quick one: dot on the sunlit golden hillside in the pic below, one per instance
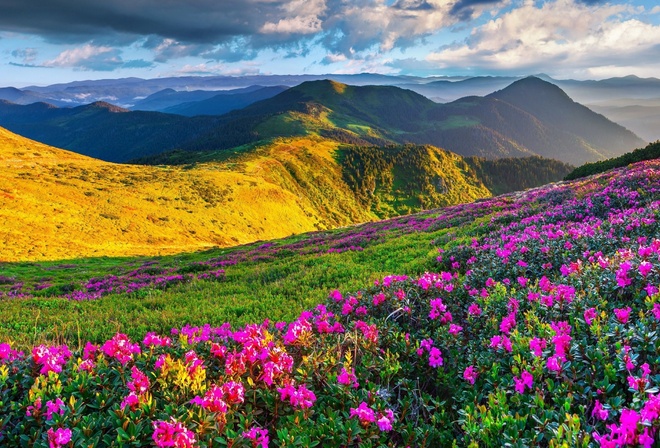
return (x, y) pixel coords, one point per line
(55, 204)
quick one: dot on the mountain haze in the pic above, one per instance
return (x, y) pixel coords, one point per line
(529, 117)
(222, 103)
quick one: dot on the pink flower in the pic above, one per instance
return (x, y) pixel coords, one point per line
(554, 364)
(435, 357)
(299, 398)
(54, 407)
(51, 359)
(502, 342)
(370, 332)
(599, 412)
(526, 380)
(379, 298)
(364, 413)
(7, 354)
(537, 345)
(470, 374)
(151, 339)
(474, 310)
(120, 348)
(213, 400)
(347, 379)
(438, 308)
(140, 383)
(87, 365)
(298, 330)
(455, 329)
(172, 434)
(506, 344)
(234, 392)
(131, 400)
(645, 268)
(622, 314)
(258, 436)
(90, 351)
(508, 323)
(59, 437)
(336, 295)
(622, 278)
(385, 421)
(590, 315)
(218, 350)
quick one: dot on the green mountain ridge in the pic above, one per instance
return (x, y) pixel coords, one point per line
(102, 130)
(510, 123)
(472, 126)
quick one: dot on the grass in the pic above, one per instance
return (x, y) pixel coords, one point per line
(458, 121)
(255, 288)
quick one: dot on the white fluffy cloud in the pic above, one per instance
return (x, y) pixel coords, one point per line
(93, 58)
(365, 24)
(81, 55)
(298, 17)
(560, 33)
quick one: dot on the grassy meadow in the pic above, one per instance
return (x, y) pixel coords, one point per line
(276, 282)
(524, 320)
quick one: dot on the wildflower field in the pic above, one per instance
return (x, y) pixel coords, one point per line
(529, 319)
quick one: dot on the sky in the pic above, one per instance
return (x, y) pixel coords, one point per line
(52, 41)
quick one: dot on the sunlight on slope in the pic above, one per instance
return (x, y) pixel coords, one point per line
(55, 204)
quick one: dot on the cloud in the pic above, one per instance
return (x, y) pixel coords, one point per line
(230, 30)
(94, 58)
(365, 24)
(559, 35)
(298, 17)
(27, 55)
(206, 69)
(333, 59)
(466, 9)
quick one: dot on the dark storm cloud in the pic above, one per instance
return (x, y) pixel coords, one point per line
(195, 21)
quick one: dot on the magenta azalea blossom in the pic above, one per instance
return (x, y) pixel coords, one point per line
(59, 437)
(470, 374)
(172, 434)
(622, 314)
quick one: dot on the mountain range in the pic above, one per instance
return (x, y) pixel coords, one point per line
(127, 92)
(529, 117)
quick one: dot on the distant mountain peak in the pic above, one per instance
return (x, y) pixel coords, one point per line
(532, 86)
(105, 105)
(323, 85)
